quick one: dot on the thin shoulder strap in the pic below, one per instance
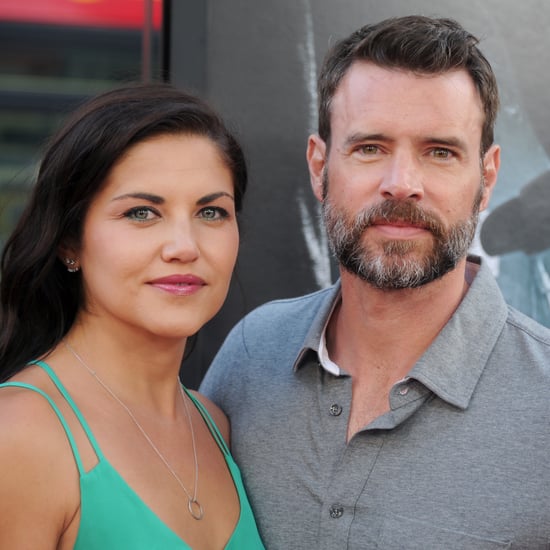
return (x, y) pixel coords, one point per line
(218, 438)
(70, 437)
(54, 378)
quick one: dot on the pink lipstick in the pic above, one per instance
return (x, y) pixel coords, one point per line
(179, 285)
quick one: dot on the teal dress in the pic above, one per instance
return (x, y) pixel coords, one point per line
(113, 516)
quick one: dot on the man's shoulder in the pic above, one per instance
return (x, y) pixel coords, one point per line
(522, 354)
(527, 325)
(279, 328)
(265, 343)
(488, 312)
(530, 329)
(299, 310)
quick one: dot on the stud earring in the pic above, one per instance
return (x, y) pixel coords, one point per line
(72, 267)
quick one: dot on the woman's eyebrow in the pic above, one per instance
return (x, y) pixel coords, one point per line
(155, 199)
(213, 196)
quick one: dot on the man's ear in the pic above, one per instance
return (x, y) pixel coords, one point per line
(316, 161)
(491, 165)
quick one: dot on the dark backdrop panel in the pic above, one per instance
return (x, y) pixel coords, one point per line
(257, 62)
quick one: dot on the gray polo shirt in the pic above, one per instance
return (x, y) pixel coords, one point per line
(461, 461)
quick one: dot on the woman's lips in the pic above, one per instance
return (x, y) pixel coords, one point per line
(179, 285)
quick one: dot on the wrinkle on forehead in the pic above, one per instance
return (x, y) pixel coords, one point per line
(371, 99)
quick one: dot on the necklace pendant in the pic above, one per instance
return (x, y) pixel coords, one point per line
(195, 508)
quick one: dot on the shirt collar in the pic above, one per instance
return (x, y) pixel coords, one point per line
(452, 365)
(317, 328)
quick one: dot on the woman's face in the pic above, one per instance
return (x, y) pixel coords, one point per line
(160, 239)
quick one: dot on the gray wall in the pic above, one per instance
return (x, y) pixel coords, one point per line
(257, 61)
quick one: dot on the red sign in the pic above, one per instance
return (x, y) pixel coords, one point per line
(83, 13)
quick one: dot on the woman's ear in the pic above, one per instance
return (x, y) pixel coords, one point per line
(68, 254)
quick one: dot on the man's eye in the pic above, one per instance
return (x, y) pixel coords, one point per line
(442, 153)
(368, 149)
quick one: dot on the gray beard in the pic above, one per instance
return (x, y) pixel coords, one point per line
(396, 266)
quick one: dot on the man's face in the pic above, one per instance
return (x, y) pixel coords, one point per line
(397, 263)
(402, 183)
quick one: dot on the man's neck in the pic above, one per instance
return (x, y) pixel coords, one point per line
(377, 336)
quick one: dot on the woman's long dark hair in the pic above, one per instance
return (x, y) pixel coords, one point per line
(39, 299)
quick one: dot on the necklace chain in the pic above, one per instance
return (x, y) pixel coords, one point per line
(193, 505)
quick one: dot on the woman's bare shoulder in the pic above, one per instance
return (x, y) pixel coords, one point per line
(23, 412)
(40, 488)
(217, 415)
(32, 436)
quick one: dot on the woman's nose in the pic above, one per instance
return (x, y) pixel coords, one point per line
(180, 245)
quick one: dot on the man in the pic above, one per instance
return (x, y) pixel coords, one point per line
(406, 407)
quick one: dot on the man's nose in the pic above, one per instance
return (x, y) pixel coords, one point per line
(403, 178)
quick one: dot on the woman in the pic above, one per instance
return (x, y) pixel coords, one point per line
(125, 249)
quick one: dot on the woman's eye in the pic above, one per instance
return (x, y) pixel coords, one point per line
(140, 213)
(213, 213)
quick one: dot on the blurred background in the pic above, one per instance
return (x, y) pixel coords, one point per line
(256, 62)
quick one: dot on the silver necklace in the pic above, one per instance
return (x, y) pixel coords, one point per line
(193, 505)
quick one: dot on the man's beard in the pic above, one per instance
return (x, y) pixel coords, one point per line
(398, 264)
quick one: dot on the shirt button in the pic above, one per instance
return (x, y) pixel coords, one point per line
(336, 511)
(404, 390)
(335, 409)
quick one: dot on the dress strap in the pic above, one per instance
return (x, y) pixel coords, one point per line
(62, 390)
(59, 414)
(209, 422)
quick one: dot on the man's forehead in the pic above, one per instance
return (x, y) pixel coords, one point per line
(386, 96)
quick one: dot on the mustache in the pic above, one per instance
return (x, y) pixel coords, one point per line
(392, 211)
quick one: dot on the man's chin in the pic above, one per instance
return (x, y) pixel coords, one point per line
(406, 249)
(396, 271)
